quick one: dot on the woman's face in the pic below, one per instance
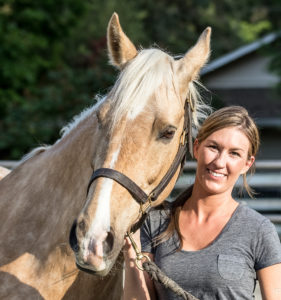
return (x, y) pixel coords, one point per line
(221, 158)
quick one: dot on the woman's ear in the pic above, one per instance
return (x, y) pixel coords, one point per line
(195, 148)
(248, 165)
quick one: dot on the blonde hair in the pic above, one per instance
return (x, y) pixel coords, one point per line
(232, 116)
(142, 76)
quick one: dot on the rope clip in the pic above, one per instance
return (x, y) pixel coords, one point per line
(139, 255)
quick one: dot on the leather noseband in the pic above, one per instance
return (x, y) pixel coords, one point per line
(137, 193)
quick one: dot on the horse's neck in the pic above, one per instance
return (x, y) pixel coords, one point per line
(40, 199)
(38, 203)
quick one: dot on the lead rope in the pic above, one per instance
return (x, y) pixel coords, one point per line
(156, 274)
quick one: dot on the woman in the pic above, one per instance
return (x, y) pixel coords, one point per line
(206, 241)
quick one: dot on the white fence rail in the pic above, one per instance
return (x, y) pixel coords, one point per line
(267, 180)
(9, 164)
(260, 164)
(191, 165)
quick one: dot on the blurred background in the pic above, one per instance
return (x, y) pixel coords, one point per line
(53, 62)
(53, 59)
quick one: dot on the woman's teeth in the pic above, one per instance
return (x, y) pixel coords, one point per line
(216, 174)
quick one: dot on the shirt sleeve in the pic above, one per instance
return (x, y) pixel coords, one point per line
(268, 247)
(146, 236)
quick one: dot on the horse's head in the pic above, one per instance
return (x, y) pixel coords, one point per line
(141, 121)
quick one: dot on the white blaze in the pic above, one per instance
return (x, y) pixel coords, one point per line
(101, 221)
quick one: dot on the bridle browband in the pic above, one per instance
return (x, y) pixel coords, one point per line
(137, 193)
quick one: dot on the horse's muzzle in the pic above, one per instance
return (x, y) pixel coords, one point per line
(107, 244)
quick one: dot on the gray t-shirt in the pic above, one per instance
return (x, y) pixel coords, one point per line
(224, 270)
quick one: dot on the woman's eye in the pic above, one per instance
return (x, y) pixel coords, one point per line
(213, 147)
(235, 154)
(167, 134)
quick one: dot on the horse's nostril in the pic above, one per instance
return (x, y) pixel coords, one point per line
(108, 243)
(82, 226)
(73, 238)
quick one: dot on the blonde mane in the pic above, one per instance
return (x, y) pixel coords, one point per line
(141, 78)
(132, 90)
(80, 117)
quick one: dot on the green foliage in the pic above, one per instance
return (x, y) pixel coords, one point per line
(176, 24)
(32, 36)
(53, 61)
(53, 53)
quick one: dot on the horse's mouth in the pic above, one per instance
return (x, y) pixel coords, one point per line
(90, 270)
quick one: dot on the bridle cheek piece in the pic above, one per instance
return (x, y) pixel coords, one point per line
(145, 201)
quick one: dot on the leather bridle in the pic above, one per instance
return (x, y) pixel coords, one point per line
(137, 193)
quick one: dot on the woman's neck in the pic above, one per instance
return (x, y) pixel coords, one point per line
(206, 206)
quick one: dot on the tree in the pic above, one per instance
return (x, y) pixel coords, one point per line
(53, 53)
(53, 62)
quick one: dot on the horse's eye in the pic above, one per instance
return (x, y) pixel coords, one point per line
(168, 134)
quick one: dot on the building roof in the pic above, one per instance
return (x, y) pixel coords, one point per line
(240, 52)
(241, 77)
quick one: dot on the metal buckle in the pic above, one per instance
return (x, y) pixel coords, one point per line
(190, 102)
(139, 255)
(147, 204)
(183, 138)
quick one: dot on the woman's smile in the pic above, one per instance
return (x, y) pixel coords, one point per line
(221, 159)
(216, 175)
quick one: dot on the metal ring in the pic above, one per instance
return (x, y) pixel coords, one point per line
(189, 100)
(139, 260)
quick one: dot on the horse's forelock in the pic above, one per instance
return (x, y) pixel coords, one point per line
(142, 77)
(138, 81)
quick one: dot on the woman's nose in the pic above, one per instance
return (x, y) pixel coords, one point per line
(220, 160)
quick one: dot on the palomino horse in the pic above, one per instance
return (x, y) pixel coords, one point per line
(136, 130)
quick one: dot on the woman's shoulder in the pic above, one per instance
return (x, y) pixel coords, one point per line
(155, 223)
(160, 213)
(158, 218)
(247, 215)
(263, 236)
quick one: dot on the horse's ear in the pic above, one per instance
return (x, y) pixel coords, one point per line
(120, 48)
(189, 66)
